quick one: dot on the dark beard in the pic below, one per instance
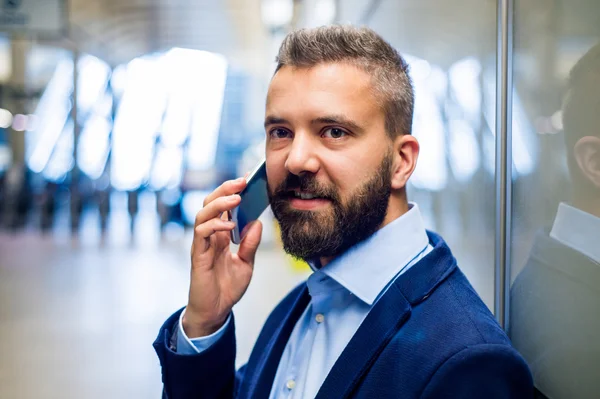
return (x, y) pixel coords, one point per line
(315, 234)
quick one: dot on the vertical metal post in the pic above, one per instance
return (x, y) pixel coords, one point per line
(504, 87)
(17, 99)
(75, 194)
(74, 114)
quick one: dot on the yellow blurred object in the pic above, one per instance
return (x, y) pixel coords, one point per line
(298, 265)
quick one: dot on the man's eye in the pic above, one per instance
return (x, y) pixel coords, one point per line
(334, 133)
(280, 134)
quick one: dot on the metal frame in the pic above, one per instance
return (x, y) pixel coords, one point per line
(504, 87)
(503, 169)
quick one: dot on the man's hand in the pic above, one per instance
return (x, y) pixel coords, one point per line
(219, 278)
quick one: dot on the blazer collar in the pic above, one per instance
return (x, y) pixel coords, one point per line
(367, 268)
(386, 317)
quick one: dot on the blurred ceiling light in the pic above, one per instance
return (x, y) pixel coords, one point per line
(207, 111)
(430, 77)
(183, 88)
(61, 159)
(94, 142)
(524, 143)
(437, 82)
(93, 146)
(557, 121)
(464, 152)
(6, 118)
(277, 13)
(525, 147)
(431, 173)
(118, 79)
(137, 122)
(53, 112)
(465, 83)
(420, 69)
(92, 80)
(167, 168)
(176, 95)
(19, 123)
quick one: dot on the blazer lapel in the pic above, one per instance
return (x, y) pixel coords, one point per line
(372, 336)
(260, 386)
(386, 317)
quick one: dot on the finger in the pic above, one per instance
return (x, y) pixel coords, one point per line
(210, 227)
(202, 233)
(227, 188)
(215, 208)
(250, 242)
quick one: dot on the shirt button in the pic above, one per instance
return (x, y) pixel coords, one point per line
(320, 318)
(291, 384)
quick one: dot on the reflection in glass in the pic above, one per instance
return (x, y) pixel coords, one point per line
(555, 300)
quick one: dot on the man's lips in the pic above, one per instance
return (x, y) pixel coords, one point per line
(305, 195)
(304, 200)
(308, 204)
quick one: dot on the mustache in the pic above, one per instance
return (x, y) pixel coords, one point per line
(307, 183)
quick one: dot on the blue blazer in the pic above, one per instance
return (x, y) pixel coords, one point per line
(428, 336)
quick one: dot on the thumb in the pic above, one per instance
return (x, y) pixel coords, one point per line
(250, 243)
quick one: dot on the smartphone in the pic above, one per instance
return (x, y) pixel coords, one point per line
(254, 202)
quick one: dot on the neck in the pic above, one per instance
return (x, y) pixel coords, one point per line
(397, 206)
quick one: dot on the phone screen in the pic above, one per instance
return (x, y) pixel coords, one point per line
(254, 201)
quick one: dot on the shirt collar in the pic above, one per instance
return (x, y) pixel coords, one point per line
(367, 268)
(578, 230)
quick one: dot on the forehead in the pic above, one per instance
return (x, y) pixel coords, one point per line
(322, 88)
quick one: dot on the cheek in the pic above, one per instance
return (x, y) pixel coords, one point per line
(275, 171)
(348, 173)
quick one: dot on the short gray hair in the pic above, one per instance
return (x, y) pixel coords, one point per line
(365, 49)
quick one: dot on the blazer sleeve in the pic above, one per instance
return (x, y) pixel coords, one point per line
(209, 375)
(491, 371)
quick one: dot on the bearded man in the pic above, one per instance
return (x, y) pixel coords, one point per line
(387, 313)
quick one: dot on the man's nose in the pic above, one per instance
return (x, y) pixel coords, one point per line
(302, 157)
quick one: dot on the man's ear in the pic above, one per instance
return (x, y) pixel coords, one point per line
(406, 152)
(587, 155)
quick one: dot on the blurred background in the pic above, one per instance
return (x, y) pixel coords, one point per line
(118, 117)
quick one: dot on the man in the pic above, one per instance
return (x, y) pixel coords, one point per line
(555, 310)
(387, 313)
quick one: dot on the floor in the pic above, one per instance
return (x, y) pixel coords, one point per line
(78, 315)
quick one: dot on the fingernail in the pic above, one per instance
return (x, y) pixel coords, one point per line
(241, 179)
(234, 197)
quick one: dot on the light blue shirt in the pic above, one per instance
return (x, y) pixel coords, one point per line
(342, 294)
(577, 230)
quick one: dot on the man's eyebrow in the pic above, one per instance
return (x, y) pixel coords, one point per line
(274, 120)
(337, 120)
(323, 120)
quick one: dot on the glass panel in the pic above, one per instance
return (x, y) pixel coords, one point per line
(555, 294)
(454, 120)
